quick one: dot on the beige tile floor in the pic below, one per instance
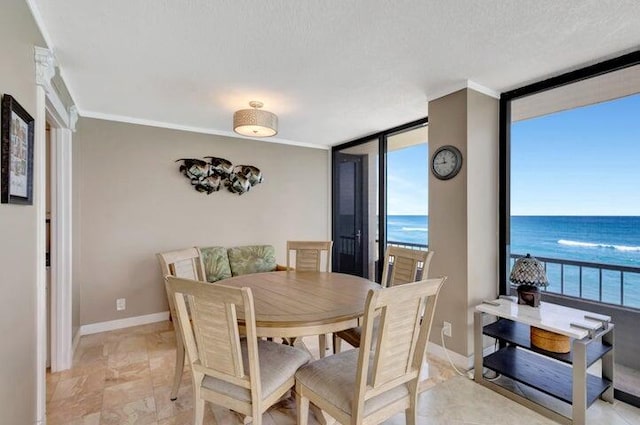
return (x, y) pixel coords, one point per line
(124, 377)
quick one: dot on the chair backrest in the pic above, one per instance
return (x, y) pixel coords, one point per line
(212, 336)
(309, 255)
(403, 265)
(182, 263)
(393, 355)
(185, 263)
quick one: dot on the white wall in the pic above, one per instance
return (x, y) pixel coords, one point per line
(132, 202)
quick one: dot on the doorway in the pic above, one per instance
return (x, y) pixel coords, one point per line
(350, 223)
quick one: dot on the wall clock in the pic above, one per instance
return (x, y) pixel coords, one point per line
(446, 162)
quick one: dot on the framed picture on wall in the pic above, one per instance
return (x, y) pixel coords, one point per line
(16, 159)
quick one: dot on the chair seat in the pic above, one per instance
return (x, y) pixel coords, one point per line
(333, 379)
(278, 363)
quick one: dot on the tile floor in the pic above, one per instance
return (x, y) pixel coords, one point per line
(124, 377)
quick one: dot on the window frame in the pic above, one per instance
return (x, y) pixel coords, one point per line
(605, 67)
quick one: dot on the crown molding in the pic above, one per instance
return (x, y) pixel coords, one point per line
(37, 16)
(461, 85)
(192, 129)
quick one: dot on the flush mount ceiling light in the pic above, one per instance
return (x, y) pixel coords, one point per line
(255, 122)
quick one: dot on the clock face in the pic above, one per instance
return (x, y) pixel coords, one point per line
(446, 162)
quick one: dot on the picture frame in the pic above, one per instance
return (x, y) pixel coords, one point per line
(16, 158)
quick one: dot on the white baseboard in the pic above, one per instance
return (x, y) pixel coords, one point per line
(112, 325)
(461, 362)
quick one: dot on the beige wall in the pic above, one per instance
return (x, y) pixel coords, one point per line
(131, 202)
(448, 218)
(18, 35)
(463, 212)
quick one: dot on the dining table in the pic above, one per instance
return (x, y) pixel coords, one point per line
(303, 303)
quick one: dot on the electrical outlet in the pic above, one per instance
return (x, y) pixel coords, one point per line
(446, 327)
(121, 304)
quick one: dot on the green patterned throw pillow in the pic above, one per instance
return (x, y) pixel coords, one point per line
(216, 263)
(252, 259)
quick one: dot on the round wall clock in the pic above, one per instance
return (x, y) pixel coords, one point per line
(446, 162)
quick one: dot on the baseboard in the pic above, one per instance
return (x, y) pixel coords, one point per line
(461, 362)
(123, 323)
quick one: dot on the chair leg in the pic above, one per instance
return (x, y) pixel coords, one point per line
(322, 344)
(198, 411)
(411, 414)
(198, 402)
(177, 377)
(337, 344)
(302, 404)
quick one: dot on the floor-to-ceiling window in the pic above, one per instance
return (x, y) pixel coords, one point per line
(407, 185)
(379, 194)
(570, 179)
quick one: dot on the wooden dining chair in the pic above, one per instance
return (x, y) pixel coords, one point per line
(308, 258)
(184, 263)
(246, 375)
(401, 265)
(308, 255)
(381, 378)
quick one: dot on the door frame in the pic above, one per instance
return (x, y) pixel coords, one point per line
(50, 109)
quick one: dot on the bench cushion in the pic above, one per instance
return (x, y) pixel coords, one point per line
(252, 259)
(216, 263)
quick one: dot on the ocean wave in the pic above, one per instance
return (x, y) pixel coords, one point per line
(415, 229)
(599, 245)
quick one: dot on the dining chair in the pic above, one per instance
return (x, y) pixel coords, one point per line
(245, 375)
(308, 255)
(308, 258)
(372, 383)
(401, 265)
(184, 263)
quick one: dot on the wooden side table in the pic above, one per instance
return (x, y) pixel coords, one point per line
(563, 376)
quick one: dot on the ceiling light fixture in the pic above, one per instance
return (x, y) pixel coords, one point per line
(255, 122)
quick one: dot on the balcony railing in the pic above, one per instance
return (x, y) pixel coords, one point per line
(410, 245)
(605, 283)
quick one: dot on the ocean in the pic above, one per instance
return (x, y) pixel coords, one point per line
(607, 240)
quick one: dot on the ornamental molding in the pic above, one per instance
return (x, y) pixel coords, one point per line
(73, 117)
(45, 68)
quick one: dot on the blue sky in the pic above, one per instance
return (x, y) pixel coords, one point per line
(584, 161)
(407, 174)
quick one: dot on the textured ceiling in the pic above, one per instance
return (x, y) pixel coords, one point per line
(332, 70)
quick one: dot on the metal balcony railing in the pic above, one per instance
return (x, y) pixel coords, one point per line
(411, 245)
(605, 283)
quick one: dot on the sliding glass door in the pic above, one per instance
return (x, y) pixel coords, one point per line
(373, 175)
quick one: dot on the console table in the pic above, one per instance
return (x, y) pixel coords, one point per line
(563, 376)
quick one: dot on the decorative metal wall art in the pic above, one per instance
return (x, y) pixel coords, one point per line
(210, 176)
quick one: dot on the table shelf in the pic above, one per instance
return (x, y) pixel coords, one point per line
(550, 377)
(563, 377)
(518, 334)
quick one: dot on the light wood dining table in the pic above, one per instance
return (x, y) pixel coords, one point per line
(296, 304)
